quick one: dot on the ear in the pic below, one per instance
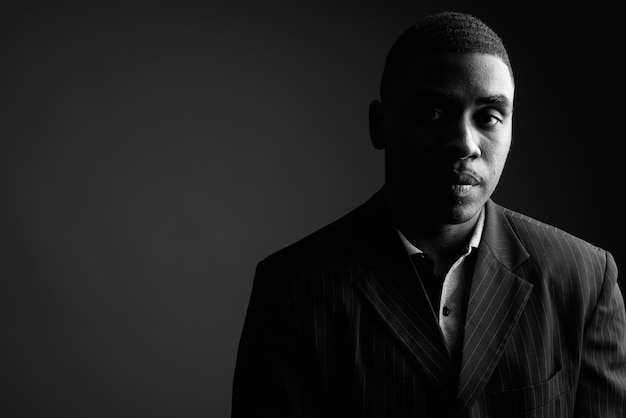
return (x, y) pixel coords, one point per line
(376, 124)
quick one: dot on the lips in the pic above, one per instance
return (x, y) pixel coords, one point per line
(458, 184)
(460, 178)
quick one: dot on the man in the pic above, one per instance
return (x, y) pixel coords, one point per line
(430, 300)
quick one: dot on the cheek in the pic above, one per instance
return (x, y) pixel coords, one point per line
(495, 152)
(496, 155)
(406, 148)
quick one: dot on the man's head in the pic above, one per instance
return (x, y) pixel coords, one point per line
(444, 118)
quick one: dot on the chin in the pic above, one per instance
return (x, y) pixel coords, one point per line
(437, 207)
(458, 213)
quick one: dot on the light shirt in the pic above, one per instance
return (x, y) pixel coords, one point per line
(453, 294)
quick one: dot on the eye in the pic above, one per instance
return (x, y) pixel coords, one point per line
(489, 118)
(428, 114)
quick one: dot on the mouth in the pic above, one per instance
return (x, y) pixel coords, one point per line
(460, 189)
(460, 183)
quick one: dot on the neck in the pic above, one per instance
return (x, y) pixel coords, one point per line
(442, 242)
(439, 238)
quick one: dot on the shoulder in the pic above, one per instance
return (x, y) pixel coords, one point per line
(564, 269)
(302, 273)
(540, 237)
(329, 244)
(555, 254)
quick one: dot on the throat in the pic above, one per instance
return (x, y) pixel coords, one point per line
(443, 244)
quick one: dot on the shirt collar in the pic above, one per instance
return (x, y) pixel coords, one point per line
(473, 242)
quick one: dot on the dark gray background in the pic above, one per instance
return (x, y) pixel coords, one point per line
(152, 155)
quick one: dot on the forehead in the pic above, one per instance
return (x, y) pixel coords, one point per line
(466, 76)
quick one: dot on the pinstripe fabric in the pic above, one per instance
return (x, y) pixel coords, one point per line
(339, 325)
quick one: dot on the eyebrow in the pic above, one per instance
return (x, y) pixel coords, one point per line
(500, 99)
(436, 95)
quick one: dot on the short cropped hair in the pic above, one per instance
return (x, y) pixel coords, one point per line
(440, 32)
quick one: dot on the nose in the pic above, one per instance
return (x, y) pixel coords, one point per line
(463, 140)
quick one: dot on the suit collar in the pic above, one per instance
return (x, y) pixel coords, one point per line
(373, 232)
(394, 291)
(501, 239)
(496, 300)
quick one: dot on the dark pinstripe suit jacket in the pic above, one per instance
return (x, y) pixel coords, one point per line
(338, 325)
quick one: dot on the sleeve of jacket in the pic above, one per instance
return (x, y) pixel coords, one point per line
(274, 376)
(602, 383)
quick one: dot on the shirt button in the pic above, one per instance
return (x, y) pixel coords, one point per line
(446, 311)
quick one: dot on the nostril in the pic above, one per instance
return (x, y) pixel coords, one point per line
(463, 147)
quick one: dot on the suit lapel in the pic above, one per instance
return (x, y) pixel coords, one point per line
(496, 301)
(393, 289)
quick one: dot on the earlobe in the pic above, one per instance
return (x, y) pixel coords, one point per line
(376, 124)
